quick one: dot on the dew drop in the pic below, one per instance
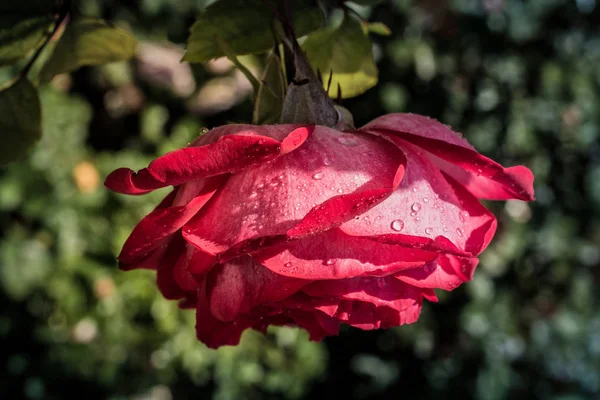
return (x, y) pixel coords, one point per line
(348, 139)
(478, 172)
(463, 215)
(329, 262)
(414, 190)
(253, 195)
(428, 231)
(326, 161)
(459, 232)
(287, 264)
(416, 207)
(425, 199)
(340, 190)
(318, 176)
(397, 225)
(412, 214)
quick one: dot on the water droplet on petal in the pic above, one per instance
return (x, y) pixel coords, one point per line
(459, 232)
(287, 264)
(318, 176)
(414, 190)
(340, 190)
(329, 262)
(326, 161)
(416, 207)
(463, 215)
(425, 199)
(478, 172)
(428, 231)
(253, 195)
(412, 214)
(397, 225)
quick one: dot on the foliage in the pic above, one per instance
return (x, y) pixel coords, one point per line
(519, 79)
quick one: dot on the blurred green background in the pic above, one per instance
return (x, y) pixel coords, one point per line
(521, 80)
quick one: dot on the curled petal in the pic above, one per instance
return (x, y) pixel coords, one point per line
(229, 153)
(165, 221)
(369, 302)
(339, 209)
(336, 255)
(484, 177)
(446, 272)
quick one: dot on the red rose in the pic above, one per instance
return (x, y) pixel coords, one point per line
(314, 227)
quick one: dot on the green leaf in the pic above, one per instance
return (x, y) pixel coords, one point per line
(245, 25)
(269, 100)
(20, 120)
(19, 36)
(377, 28)
(346, 52)
(88, 41)
(233, 58)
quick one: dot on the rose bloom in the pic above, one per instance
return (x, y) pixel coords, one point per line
(314, 227)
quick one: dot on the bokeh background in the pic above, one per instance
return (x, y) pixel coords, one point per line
(520, 79)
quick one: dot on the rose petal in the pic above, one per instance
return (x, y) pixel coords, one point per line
(165, 275)
(339, 209)
(380, 291)
(369, 316)
(430, 205)
(229, 153)
(181, 271)
(268, 200)
(336, 255)
(240, 285)
(485, 178)
(446, 272)
(163, 222)
(213, 332)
